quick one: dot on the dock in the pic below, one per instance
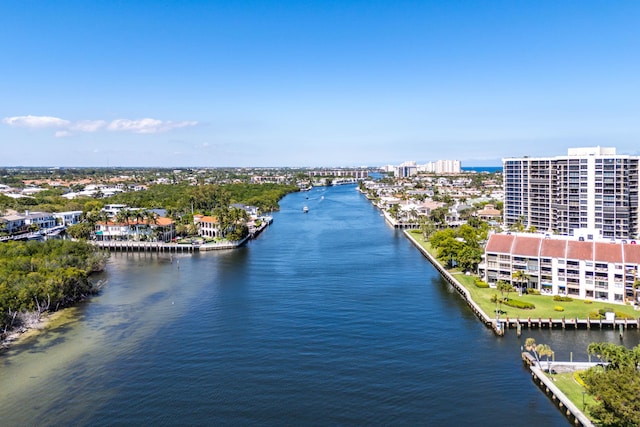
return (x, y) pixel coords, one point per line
(570, 323)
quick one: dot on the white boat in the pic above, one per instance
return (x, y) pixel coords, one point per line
(305, 209)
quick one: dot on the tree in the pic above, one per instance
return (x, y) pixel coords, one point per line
(503, 287)
(439, 216)
(80, 231)
(545, 350)
(531, 346)
(394, 211)
(615, 355)
(616, 386)
(469, 257)
(427, 226)
(520, 277)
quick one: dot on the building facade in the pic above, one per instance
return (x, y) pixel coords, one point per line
(590, 188)
(442, 167)
(599, 270)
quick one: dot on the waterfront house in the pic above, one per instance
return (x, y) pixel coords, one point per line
(160, 228)
(14, 223)
(252, 211)
(208, 226)
(68, 218)
(41, 220)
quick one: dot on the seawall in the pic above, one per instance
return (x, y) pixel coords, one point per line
(562, 402)
(488, 321)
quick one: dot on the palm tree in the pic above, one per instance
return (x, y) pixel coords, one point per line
(545, 350)
(519, 277)
(503, 287)
(530, 346)
(394, 211)
(123, 217)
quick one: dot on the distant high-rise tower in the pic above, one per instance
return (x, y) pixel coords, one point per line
(590, 188)
(441, 166)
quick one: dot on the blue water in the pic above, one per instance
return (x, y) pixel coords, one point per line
(328, 318)
(490, 169)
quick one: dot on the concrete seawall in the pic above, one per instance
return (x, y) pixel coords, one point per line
(562, 402)
(488, 321)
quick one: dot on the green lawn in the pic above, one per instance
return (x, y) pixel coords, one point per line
(545, 305)
(574, 391)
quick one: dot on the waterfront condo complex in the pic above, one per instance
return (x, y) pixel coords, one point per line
(589, 188)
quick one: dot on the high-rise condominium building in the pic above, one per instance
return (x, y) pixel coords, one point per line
(441, 166)
(590, 188)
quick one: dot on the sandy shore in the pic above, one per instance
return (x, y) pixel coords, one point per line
(32, 326)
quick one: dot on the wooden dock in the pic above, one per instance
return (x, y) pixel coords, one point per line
(131, 246)
(571, 323)
(161, 247)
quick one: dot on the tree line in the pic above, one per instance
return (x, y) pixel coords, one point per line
(42, 276)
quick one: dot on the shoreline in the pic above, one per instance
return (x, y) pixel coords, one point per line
(502, 324)
(557, 396)
(32, 327)
(488, 321)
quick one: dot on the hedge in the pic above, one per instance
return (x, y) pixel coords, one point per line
(519, 304)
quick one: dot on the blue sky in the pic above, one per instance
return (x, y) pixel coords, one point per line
(314, 83)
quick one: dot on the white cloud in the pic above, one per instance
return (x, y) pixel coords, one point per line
(88, 125)
(35, 121)
(62, 133)
(141, 126)
(147, 125)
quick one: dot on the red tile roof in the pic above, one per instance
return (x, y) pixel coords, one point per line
(631, 254)
(525, 245)
(608, 252)
(500, 243)
(534, 246)
(579, 250)
(553, 248)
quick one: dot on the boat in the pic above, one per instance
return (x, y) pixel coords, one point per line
(305, 209)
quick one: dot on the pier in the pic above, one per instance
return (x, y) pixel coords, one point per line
(132, 246)
(571, 323)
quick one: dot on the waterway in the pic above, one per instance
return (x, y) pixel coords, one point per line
(328, 318)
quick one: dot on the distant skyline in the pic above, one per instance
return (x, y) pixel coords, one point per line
(315, 83)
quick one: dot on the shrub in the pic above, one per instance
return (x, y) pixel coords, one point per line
(519, 304)
(558, 308)
(594, 315)
(620, 315)
(562, 298)
(481, 284)
(604, 311)
(578, 377)
(533, 292)
(588, 301)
